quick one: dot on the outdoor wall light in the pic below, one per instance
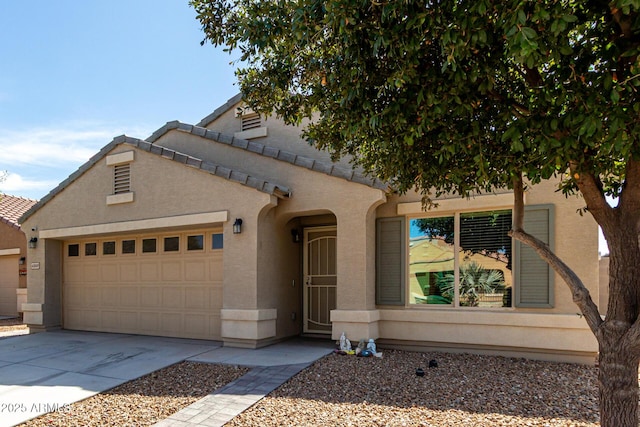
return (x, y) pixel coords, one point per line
(33, 242)
(295, 235)
(22, 261)
(237, 226)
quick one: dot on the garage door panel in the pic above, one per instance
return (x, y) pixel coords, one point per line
(91, 272)
(196, 298)
(110, 297)
(73, 272)
(150, 297)
(129, 321)
(171, 271)
(150, 322)
(109, 272)
(129, 296)
(92, 297)
(110, 318)
(149, 271)
(172, 323)
(167, 294)
(172, 297)
(128, 272)
(196, 271)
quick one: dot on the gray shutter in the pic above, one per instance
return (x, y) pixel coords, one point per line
(390, 261)
(534, 284)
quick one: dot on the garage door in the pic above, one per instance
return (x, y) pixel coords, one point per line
(166, 284)
(8, 285)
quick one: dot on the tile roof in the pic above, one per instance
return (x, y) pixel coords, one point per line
(275, 153)
(220, 110)
(166, 153)
(12, 208)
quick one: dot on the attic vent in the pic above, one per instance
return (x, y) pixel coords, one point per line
(250, 121)
(122, 178)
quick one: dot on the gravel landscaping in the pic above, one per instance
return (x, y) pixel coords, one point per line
(463, 390)
(341, 390)
(146, 400)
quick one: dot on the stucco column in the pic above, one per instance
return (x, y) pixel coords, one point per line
(243, 322)
(43, 309)
(356, 312)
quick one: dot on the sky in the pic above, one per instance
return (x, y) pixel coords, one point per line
(74, 74)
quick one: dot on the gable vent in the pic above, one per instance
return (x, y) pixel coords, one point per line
(250, 121)
(122, 178)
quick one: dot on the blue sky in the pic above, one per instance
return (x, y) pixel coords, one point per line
(75, 74)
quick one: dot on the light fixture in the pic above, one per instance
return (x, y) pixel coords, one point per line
(295, 235)
(22, 261)
(237, 226)
(33, 242)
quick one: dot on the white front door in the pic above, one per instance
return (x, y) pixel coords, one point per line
(320, 278)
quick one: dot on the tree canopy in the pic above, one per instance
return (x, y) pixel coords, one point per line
(446, 95)
(469, 96)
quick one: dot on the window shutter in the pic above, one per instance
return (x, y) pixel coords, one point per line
(390, 261)
(535, 277)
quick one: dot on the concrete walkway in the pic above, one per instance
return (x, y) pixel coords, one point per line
(40, 373)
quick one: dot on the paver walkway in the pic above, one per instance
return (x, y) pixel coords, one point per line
(272, 367)
(224, 404)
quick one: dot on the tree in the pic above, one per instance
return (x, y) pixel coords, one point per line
(466, 96)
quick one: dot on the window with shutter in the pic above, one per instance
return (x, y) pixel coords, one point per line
(535, 277)
(390, 261)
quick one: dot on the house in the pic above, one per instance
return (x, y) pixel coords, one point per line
(13, 252)
(235, 229)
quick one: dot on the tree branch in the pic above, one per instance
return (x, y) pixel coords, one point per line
(518, 203)
(630, 196)
(581, 296)
(591, 189)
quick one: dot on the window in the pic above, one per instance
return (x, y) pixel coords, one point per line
(128, 246)
(122, 178)
(195, 243)
(108, 248)
(462, 260)
(90, 249)
(149, 246)
(171, 244)
(73, 250)
(216, 241)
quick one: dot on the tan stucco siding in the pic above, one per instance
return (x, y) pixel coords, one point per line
(279, 135)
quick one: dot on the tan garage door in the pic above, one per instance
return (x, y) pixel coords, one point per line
(8, 285)
(166, 284)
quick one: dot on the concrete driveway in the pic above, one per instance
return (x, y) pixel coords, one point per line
(43, 372)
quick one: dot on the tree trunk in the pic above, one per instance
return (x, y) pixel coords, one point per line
(618, 386)
(619, 342)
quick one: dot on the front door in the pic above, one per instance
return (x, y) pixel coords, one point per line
(320, 278)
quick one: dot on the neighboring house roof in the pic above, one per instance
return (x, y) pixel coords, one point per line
(267, 151)
(12, 208)
(166, 153)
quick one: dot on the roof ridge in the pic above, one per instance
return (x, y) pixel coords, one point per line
(269, 151)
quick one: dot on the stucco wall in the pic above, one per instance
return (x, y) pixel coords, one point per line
(13, 238)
